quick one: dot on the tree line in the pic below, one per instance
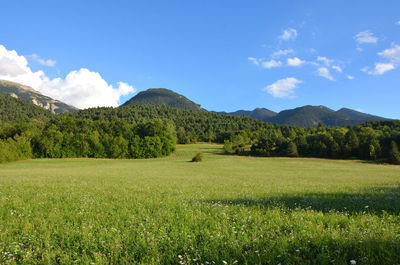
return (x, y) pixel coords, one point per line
(377, 141)
(63, 136)
(191, 126)
(143, 131)
(247, 136)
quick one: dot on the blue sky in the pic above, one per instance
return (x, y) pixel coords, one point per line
(224, 55)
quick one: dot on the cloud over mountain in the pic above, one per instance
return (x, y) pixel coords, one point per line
(82, 88)
(283, 87)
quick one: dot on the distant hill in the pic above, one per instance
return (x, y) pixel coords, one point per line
(27, 93)
(258, 113)
(302, 116)
(356, 115)
(310, 116)
(14, 109)
(164, 97)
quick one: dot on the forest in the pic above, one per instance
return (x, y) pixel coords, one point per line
(374, 141)
(66, 137)
(144, 131)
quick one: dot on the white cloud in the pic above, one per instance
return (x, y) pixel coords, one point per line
(324, 72)
(37, 58)
(392, 56)
(265, 64)
(282, 52)
(398, 23)
(393, 53)
(350, 77)
(337, 68)
(82, 88)
(283, 87)
(313, 63)
(325, 60)
(254, 60)
(381, 68)
(15, 68)
(85, 88)
(47, 62)
(271, 64)
(288, 34)
(365, 37)
(295, 61)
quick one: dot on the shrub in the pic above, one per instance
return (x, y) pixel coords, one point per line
(198, 157)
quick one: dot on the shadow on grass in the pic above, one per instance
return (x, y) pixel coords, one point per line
(378, 162)
(375, 201)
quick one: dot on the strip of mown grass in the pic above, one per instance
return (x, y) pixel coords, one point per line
(224, 210)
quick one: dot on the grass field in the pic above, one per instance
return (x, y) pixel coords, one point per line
(224, 210)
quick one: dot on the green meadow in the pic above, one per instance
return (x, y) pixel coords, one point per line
(223, 210)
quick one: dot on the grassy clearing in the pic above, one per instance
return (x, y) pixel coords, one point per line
(225, 210)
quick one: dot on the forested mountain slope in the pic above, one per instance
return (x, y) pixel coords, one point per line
(14, 109)
(162, 96)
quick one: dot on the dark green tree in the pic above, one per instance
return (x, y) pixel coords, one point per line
(291, 150)
(394, 154)
(352, 143)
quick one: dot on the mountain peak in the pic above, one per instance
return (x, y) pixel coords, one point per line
(162, 96)
(258, 113)
(357, 115)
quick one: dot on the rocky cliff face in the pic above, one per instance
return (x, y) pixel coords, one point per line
(27, 93)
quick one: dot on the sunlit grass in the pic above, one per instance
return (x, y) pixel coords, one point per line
(226, 209)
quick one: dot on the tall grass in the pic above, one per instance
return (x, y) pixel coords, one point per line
(225, 210)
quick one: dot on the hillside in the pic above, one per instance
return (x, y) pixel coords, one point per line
(162, 96)
(311, 115)
(356, 115)
(27, 93)
(14, 109)
(302, 116)
(258, 113)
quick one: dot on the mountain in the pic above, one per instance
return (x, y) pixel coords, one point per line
(15, 109)
(163, 96)
(303, 116)
(310, 116)
(27, 93)
(356, 115)
(258, 113)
